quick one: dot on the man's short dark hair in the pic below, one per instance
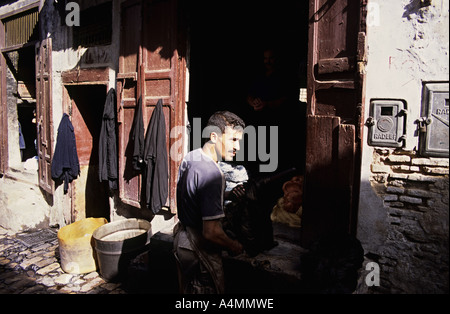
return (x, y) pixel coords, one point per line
(222, 119)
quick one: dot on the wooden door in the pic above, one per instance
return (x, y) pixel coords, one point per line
(151, 67)
(44, 121)
(336, 59)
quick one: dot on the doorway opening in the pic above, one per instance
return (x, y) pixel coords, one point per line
(26, 102)
(89, 195)
(226, 56)
(227, 44)
(21, 113)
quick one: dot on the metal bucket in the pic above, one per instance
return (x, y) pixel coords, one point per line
(117, 243)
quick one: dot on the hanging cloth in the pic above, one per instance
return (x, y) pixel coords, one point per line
(155, 159)
(65, 165)
(107, 153)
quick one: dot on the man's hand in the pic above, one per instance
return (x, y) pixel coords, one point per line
(212, 231)
(238, 192)
(236, 249)
(256, 103)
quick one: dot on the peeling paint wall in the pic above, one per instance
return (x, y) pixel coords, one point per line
(403, 212)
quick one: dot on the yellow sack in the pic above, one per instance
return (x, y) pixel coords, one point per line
(280, 215)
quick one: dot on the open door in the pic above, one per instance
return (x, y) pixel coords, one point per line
(151, 67)
(336, 57)
(44, 121)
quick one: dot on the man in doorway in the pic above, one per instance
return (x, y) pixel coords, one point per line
(269, 90)
(199, 236)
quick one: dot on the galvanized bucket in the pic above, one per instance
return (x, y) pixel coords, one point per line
(117, 243)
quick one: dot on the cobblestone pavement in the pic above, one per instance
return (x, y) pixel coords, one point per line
(35, 269)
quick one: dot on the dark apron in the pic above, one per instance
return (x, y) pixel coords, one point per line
(199, 262)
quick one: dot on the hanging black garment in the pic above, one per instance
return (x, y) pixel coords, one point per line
(65, 164)
(155, 158)
(138, 138)
(107, 153)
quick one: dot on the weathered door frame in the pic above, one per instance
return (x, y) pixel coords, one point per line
(336, 59)
(44, 114)
(79, 77)
(4, 155)
(137, 77)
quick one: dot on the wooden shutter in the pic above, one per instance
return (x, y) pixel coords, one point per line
(128, 93)
(44, 121)
(334, 122)
(150, 67)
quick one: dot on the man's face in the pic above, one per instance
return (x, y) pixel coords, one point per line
(227, 144)
(269, 59)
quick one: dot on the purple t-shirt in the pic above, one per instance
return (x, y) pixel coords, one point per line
(200, 189)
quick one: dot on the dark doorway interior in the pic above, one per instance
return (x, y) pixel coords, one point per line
(87, 103)
(227, 41)
(23, 69)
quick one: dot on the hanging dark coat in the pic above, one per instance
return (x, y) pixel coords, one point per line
(107, 153)
(138, 138)
(65, 164)
(155, 158)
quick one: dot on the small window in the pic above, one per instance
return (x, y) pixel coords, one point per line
(21, 28)
(95, 26)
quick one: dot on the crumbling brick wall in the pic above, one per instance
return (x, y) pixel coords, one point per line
(415, 193)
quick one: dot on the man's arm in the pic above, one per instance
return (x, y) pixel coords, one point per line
(212, 231)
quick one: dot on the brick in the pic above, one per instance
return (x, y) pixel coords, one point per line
(399, 176)
(440, 162)
(45, 262)
(390, 197)
(92, 284)
(431, 170)
(437, 162)
(92, 275)
(422, 178)
(414, 168)
(396, 204)
(398, 158)
(395, 190)
(420, 193)
(411, 200)
(401, 167)
(46, 281)
(31, 261)
(47, 269)
(380, 168)
(63, 279)
(40, 247)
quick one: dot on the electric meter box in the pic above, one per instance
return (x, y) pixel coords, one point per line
(433, 125)
(387, 123)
